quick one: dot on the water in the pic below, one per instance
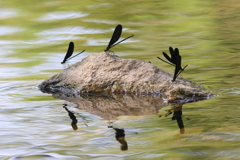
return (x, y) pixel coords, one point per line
(34, 39)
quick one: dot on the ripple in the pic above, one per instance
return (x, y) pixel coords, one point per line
(69, 30)
(9, 30)
(62, 15)
(8, 13)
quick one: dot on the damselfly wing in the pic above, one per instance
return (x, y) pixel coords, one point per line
(115, 37)
(69, 52)
(173, 56)
(177, 54)
(177, 67)
(171, 59)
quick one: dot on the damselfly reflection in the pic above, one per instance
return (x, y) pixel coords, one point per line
(120, 137)
(72, 117)
(176, 110)
(174, 60)
(116, 35)
(69, 53)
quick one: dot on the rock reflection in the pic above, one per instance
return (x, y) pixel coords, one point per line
(111, 107)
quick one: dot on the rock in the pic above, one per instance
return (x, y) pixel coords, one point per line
(105, 73)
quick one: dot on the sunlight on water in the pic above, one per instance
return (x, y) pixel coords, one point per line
(62, 15)
(5, 30)
(34, 36)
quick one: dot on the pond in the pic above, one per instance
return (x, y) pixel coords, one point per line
(34, 36)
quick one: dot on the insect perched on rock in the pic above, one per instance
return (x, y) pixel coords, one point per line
(116, 35)
(174, 60)
(69, 53)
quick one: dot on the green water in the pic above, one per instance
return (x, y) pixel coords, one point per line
(34, 36)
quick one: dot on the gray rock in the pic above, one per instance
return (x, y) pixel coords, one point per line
(105, 73)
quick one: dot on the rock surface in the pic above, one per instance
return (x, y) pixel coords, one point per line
(105, 73)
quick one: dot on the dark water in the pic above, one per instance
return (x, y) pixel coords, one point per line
(34, 36)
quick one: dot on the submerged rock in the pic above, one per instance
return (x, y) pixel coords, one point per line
(105, 73)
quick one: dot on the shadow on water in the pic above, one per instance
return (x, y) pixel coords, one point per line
(111, 107)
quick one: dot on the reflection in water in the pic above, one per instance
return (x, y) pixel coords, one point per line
(110, 107)
(120, 137)
(72, 117)
(120, 133)
(177, 115)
